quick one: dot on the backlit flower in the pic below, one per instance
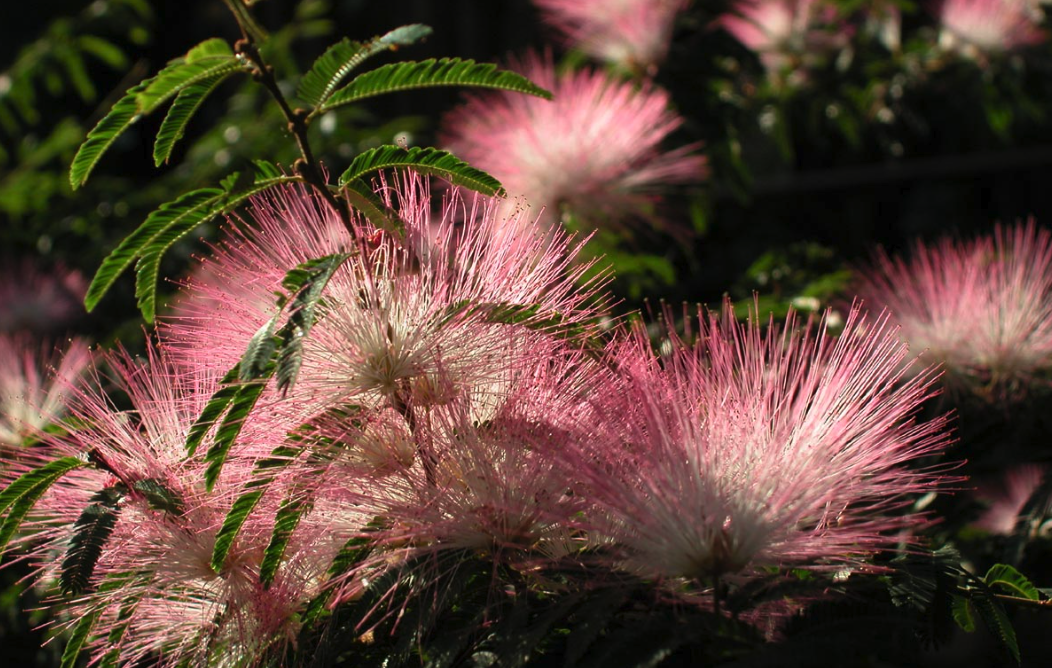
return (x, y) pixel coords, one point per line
(982, 308)
(989, 26)
(758, 447)
(592, 151)
(635, 33)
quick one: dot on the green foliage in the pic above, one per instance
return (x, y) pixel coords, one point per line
(345, 56)
(159, 497)
(241, 404)
(289, 513)
(209, 60)
(426, 161)
(429, 74)
(164, 227)
(183, 108)
(80, 636)
(90, 533)
(121, 117)
(232, 523)
(21, 495)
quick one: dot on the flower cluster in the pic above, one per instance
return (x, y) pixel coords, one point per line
(989, 26)
(454, 395)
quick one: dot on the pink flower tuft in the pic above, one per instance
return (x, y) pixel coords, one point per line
(785, 32)
(1007, 497)
(593, 150)
(989, 26)
(633, 33)
(36, 383)
(982, 308)
(753, 449)
(33, 300)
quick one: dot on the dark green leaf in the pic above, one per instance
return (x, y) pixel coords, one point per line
(240, 406)
(90, 533)
(208, 60)
(428, 74)
(1007, 578)
(175, 121)
(343, 57)
(102, 136)
(77, 639)
(158, 496)
(259, 355)
(996, 620)
(215, 407)
(232, 523)
(105, 51)
(28, 481)
(309, 280)
(425, 160)
(358, 193)
(964, 613)
(288, 518)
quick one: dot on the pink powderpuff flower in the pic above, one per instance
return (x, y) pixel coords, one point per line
(593, 151)
(976, 27)
(152, 593)
(759, 447)
(785, 32)
(632, 33)
(36, 383)
(38, 301)
(981, 308)
(403, 308)
(1007, 497)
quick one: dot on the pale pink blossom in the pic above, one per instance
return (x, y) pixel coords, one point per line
(1007, 497)
(153, 585)
(39, 301)
(36, 383)
(593, 152)
(633, 33)
(981, 308)
(785, 33)
(989, 26)
(759, 447)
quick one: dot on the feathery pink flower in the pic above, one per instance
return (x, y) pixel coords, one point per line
(982, 308)
(989, 26)
(403, 313)
(38, 301)
(634, 33)
(152, 584)
(36, 382)
(1007, 497)
(780, 31)
(593, 150)
(753, 449)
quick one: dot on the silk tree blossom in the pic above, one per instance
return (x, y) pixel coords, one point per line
(633, 33)
(784, 33)
(593, 151)
(975, 27)
(751, 448)
(1008, 496)
(982, 308)
(36, 383)
(153, 593)
(408, 314)
(39, 301)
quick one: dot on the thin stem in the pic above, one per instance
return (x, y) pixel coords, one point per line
(1025, 602)
(307, 165)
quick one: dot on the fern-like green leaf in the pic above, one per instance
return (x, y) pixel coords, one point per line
(425, 160)
(963, 613)
(242, 404)
(430, 73)
(239, 512)
(192, 206)
(159, 497)
(345, 56)
(48, 473)
(309, 280)
(288, 518)
(175, 121)
(77, 639)
(215, 407)
(259, 355)
(993, 614)
(358, 193)
(208, 60)
(1008, 579)
(113, 124)
(90, 533)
